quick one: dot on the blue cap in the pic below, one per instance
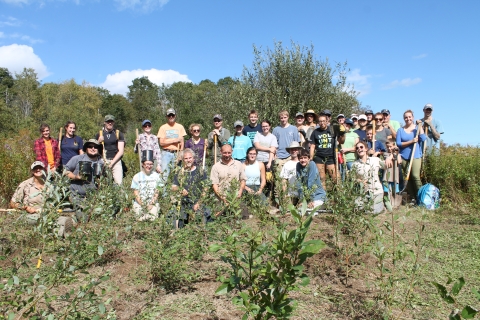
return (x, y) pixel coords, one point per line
(145, 122)
(349, 121)
(369, 112)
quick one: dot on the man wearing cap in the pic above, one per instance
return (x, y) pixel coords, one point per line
(341, 118)
(369, 114)
(145, 186)
(148, 141)
(285, 134)
(302, 128)
(83, 171)
(170, 136)
(393, 123)
(113, 144)
(289, 172)
(29, 196)
(433, 129)
(354, 118)
(222, 137)
(251, 129)
(361, 131)
(328, 114)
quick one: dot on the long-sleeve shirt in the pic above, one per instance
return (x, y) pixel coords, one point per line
(308, 177)
(150, 142)
(406, 152)
(41, 153)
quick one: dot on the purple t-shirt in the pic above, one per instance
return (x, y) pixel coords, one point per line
(197, 148)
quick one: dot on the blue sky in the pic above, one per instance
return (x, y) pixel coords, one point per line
(402, 54)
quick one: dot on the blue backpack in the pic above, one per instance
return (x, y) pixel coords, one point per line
(429, 197)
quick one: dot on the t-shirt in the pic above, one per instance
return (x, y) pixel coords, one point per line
(289, 173)
(146, 185)
(240, 144)
(110, 143)
(265, 141)
(349, 143)
(368, 172)
(251, 131)
(192, 182)
(432, 143)
(223, 174)
(382, 135)
(362, 134)
(379, 147)
(49, 152)
(70, 148)
(28, 194)
(323, 141)
(81, 186)
(395, 124)
(167, 131)
(198, 148)
(285, 136)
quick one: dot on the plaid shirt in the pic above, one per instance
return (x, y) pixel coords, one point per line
(41, 154)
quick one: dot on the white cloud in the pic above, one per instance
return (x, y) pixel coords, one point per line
(24, 38)
(420, 56)
(360, 82)
(15, 57)
(119, 82)
(142, 5)
(407, 82)
(16, 2)
(10, 22)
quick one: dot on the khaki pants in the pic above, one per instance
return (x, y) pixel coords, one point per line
(279, 163)
(145, 215)
(117, 172)
(65, 224)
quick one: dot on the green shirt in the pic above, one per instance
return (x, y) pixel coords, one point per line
(395, 125)
(350, 138)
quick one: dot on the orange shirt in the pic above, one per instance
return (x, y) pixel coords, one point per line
(49, 152)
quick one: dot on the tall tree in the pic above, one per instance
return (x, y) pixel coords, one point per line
(144, 97)
(26, 91)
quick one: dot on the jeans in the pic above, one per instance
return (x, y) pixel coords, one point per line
(167, 159)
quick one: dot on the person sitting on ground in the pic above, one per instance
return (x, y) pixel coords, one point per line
(224, 173)
(222, 135)
(253, 127)
(378, 149)
(366, 169)
(148, 141)
(46, 149)
(145, 185)
(196, 143)
(114, 143)
(289, 172)
(190, 180)
(255, 173)
(309, 179)
(239, 142)
(83, 171)
(71, 145)
(406, 139)
(29, 196)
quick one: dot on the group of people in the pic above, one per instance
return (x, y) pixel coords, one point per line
(303, 156)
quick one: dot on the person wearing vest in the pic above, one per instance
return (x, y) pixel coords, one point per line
(113, 145)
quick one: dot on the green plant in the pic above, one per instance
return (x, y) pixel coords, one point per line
(264, 273)
(467, 312)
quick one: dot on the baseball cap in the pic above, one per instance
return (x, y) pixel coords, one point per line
(369, 112)
(299, 114)
(354, 116)
(327, 112)
(362, 117)
(238, 123)
(37, 163)
(109, 117)
(171, 111)
(341, 115)
(386, 111)
(217, 116)
(428, 106)
(145, 122)
(349, 121)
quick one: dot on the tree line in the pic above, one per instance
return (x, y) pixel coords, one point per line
(280, 78)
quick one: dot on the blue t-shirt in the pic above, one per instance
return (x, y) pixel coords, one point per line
(406, 152)
(362, 134)
(70, 148)
(378, 146)
(240, 146)
(285, 136)
(252, 131)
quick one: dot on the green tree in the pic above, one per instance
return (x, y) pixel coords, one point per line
(144, 97)
(26, 91)
(118, 106)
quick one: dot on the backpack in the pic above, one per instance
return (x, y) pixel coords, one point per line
(429, 197)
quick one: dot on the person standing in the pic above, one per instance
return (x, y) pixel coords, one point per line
(222, 137)
(311, 119)
(148, 141)
(46, 149)
(348, 147)
(302, 128)
(253, 127)
(435, 130)
(406, 139)
(285, 134)
(114, 145)
(369, 114)
(327, 113)
(196, 143)
(393, 123)
(383, 129)
(171, 139)
(239, 142)
(361, 131)
(354, 118)
(71, 144)
(341, 118)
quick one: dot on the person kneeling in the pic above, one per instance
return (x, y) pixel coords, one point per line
(145, 186)
(308, 178)
(189, 180)
(29, 196)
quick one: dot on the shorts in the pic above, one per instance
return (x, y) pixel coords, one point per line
(323, 160)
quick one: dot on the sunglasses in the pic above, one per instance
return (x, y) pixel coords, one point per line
(170, 115)
(147, 125)
(110, 121)
(94, 147)
(359, 148)
(378, 119)
(196, 130)
(217, 120)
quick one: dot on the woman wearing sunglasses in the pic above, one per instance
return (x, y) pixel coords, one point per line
(196, 143)
(366, 169)
(383, 130)
(149, 141)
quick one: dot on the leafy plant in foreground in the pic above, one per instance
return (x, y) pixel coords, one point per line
(467, 312)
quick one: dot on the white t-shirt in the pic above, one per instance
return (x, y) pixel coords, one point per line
(265, 141)
(369, 171)
(289, 172)
(146, 185)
